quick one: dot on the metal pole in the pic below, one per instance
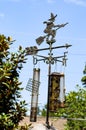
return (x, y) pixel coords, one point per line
(49, 85)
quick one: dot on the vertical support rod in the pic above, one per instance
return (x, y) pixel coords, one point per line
(48, 99)
(49, 85)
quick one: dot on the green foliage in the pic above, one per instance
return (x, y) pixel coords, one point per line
(24, 127)
(10, 67)
(76, 124)
(43, 111)
(83, 80)
(75, 109)
(76, 102)
(6, 122)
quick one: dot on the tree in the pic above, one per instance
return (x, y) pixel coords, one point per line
(83, 80)
(43, 111)
(75, 107)
(11, 108)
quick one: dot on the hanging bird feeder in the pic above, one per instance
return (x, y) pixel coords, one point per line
(57, 91)
(33, 86)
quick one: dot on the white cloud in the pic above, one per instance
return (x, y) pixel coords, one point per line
(15, 0)
(1, 15)
(10, 0)
(50, 1)
(77, 2)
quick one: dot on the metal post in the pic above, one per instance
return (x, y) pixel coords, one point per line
(49, 85)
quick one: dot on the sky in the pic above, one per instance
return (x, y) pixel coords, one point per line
(23, 21)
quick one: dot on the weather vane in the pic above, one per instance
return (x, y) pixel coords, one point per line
(49, 37)
(50, 30)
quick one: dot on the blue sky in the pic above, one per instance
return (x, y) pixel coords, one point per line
(23, 21)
